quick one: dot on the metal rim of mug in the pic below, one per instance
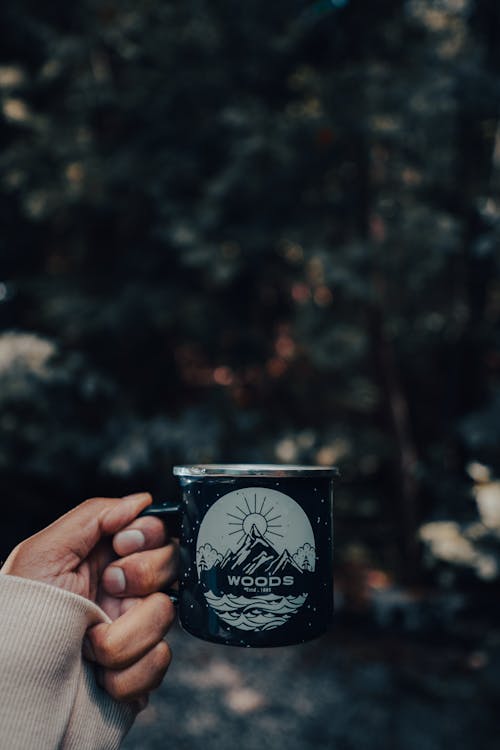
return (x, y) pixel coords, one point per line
(255, 470)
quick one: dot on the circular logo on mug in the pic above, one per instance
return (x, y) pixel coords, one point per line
(255, 557)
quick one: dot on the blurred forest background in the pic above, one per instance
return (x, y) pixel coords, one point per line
(268, 231)
(261, 231)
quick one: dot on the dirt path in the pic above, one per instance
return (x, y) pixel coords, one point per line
(337, 692)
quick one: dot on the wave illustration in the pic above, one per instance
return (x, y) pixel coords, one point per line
(264, 612)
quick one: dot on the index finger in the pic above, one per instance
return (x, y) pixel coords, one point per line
(143, 533)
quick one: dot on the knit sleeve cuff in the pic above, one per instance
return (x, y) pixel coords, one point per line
(48, 695)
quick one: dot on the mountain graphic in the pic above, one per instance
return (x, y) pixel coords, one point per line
(284, 565)
(255, 555)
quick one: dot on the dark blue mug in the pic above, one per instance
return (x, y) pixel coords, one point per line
(256, 552)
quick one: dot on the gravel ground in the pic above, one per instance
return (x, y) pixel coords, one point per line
(341, 692)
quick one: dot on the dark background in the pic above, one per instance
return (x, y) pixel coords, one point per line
(269, 231)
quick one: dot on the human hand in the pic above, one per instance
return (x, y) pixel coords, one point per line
(74, 553)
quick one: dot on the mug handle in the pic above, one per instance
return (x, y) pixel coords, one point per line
(165, 511)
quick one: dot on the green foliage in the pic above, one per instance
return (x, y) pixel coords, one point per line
(262, 232)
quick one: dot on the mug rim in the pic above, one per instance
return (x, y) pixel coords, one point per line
(255, 470)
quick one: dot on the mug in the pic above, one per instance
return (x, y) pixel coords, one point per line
(256, 552)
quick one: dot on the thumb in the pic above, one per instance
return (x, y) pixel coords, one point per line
(79, 530)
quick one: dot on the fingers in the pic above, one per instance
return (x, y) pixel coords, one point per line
(132, 655)
(101, 516)
(142, 534)
(124, 512)
(142, 573)
(140, 678)
(70, 539)
(125, 641)
(113, 606)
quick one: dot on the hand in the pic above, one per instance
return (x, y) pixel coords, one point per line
(75, 552)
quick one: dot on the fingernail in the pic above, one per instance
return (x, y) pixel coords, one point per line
(114, 580)
(137, 496)
(126, 542)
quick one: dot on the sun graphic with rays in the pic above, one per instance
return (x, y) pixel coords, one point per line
(262, 518)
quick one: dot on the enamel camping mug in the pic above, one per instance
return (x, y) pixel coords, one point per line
(256, 549)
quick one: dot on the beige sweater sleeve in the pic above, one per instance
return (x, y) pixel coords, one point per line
(49, 699)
